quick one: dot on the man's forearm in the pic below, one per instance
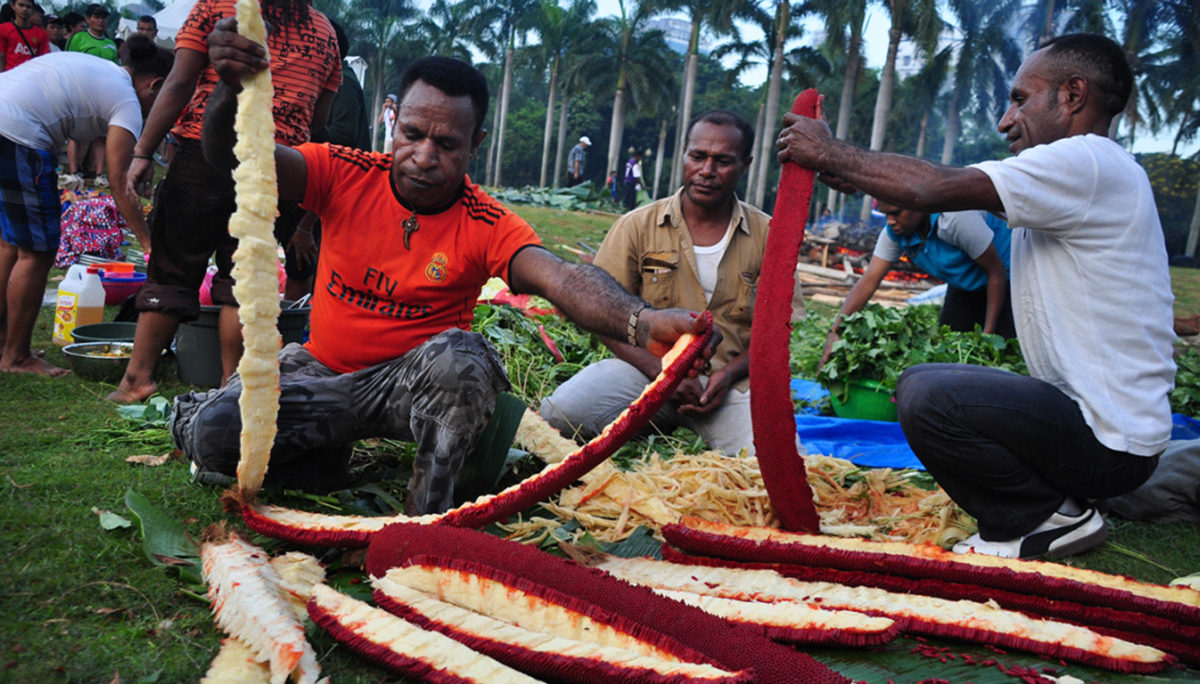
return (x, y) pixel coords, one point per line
(909, 182)
(218, 137)
(594, 300)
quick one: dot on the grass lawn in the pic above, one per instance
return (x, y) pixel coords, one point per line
(80, 603)
(1186, 284)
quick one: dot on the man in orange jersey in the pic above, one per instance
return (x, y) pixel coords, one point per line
(408, 243)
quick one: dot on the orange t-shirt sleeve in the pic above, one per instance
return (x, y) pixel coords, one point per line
(199, 23)
(318, 185)
(513, 234)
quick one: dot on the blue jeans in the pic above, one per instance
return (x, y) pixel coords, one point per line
(1008, 448)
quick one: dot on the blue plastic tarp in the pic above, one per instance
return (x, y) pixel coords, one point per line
(879, 444)
(871, 443)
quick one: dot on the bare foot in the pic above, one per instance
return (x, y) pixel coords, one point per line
(132, 395)
(34, 364)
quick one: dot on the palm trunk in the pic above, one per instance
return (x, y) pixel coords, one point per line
(1194, 228)
(658, 162)
(923, 134)
(883, 103)
(752, 173)
(562, 139)
(952, 126)
(377, 98)
(774, 85)
(505, 91)
(545, 168)
(849, 85)
(491, 152)
(617, 129)
(686, 97)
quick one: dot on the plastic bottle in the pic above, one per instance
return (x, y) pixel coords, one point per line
(80, 301)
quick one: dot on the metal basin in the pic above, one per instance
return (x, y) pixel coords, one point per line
(103, 361)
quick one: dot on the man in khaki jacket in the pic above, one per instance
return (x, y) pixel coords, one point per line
(700, 248)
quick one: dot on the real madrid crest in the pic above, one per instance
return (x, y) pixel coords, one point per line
(436, 270)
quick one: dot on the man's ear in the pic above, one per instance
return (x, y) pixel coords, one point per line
(1073, 94)
(478, 141)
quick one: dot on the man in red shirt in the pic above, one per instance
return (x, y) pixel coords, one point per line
(20, 39)
(409, 242)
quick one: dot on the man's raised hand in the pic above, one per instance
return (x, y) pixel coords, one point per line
(232, 55)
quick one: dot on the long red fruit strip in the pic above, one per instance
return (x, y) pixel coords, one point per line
(922, 615)
(402, 646)
(314, 529)
(557, 645)
(601, 597)
(771, 411)
(760, 544)
(1179, 640)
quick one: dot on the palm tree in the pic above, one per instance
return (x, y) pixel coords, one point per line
(750, 54)
(777, 37)
(1140, 29)
(844, 26)
(635, 64)
(439, 30)
(497, 24)
(1064, 16)
(382, 23)
(717, 16)
(1177, 77)
(561, 31)
(987, 56)
(918, 19)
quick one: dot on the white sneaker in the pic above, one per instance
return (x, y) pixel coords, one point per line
(70, 181)
(101, 181)
(1060, 535)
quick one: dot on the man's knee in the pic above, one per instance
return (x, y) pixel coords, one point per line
(917, 393)
(460, 360)
(583, 405)
(203, 424)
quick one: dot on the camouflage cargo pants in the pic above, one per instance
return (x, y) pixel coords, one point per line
(439, 395)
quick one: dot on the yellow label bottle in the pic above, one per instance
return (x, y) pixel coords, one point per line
(80, 301)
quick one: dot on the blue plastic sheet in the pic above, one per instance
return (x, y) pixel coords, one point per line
(880, 444)
(871, 443)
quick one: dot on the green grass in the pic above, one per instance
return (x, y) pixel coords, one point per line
(1186, 284)
(81, 604)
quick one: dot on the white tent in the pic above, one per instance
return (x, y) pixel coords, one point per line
(169, 20)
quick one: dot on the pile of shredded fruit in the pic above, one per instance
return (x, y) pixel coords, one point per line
(875, 503)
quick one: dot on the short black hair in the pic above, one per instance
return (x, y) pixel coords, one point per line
(148, 19)
(454, 77)
(144, 57)
(96, 9)
(342, 41)
(51, 19)
(724, 117)
(1096, 58)
(72, 19)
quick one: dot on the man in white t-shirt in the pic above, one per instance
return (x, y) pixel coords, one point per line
(44, 102)
(1091, 299)
(700, 248)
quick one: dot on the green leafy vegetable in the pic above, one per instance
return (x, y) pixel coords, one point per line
(879, 343)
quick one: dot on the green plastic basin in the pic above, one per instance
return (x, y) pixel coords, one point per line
(115, 331)
(864, 400)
